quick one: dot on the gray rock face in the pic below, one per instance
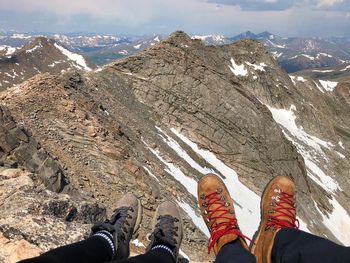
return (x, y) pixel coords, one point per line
(18, 147)
(112, 131)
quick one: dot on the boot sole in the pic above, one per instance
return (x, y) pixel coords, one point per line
(256, 236)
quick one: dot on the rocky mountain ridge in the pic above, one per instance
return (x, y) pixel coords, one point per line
(292, 53)
(38, 56)
(155, 122)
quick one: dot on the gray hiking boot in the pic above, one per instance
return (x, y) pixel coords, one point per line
(124, 223)
(167, 228)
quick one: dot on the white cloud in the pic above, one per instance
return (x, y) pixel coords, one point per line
(327, 3)
(228, 17)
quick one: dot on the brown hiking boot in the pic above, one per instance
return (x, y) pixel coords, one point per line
(218, 213)
(277, 212)
(123, 224)
(167, 228)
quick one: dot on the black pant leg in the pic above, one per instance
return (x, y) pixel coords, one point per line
(234, 252)
(296, 246)
(153, 256)
(92, 250)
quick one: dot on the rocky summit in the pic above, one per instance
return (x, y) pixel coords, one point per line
(152, 124)
(38, 56)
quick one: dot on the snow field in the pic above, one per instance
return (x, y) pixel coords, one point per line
(328, 85)
(338, 222)
(247, 203)
(300, 138)
(79, 59)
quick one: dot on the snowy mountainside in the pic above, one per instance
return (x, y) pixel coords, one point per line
(297, 53)
(340, 73)
(38, 56)
(212, 39)
(155, 122)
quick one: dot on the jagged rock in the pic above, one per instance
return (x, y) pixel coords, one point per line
(15, 141)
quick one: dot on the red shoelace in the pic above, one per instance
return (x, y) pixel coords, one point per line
(285, 216)
(217, 230)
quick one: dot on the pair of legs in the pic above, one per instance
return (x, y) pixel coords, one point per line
(277, 240)
(109, 241)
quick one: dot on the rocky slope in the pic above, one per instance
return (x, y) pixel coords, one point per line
(153, 124)
(38, 56)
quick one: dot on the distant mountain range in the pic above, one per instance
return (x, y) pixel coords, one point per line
(292, 53)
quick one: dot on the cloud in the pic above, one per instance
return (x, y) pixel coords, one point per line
(280, 5)
(228, 17)
(258, 5)
(325, 3)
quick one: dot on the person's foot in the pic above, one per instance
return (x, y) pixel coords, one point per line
(124, 223)
(278, 210)
(167, 229)
(218, 213)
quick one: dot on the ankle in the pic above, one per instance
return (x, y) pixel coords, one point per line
(108, 238)
(164, 247)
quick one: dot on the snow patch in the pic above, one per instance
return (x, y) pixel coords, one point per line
(183, 154)
(183, 254)
(137, 243)
(260, 67)
(319, 87)
(328, 85)
(9, 50)
(346, 68)
(150, 173)
(324, 54)
(307, 56)
(340, 155)
(137, 46)
(292, 79)
(197, 220)
(299, 78)
(189, 183)
(123, 52)
(323, 71)
(238, 70)
(286, 119)
(78, 59)
(341, 144)
(275, 54)
(338, 222)
(34, 48)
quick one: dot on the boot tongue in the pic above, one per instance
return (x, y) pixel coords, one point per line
(285, 212)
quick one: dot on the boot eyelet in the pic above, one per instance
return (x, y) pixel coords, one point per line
(205, 212)
(208, 220)
(227, 204)
(203, 196)
(219, 190)
(277, 190)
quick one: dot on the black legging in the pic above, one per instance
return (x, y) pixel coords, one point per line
(291, 246)
(95, 249)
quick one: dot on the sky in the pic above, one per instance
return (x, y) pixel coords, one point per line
(317, 18)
